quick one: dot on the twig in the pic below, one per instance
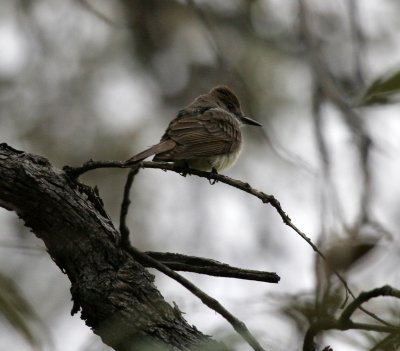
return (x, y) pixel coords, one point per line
(123, 228)
(390, 342)
(75, 172)
(212, 303)
(333, 324)
(179, 262)
(344, 322)
(365, 296)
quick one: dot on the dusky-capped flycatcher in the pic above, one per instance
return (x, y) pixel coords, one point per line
(205, 135)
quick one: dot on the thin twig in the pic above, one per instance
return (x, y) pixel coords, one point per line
(333, 324)
(365, 296)
(123, 228)
(390, 342)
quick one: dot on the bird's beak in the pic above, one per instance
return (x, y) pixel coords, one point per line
(249, 121)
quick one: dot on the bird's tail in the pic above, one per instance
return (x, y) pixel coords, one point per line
(162, 146)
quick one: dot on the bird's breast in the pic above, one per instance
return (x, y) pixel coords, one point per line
(226, 161)
(219, 162)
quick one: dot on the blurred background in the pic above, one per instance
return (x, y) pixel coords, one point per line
(101, 79)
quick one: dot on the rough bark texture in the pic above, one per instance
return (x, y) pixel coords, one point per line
(115, 294)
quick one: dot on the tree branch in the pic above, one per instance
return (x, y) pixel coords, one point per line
(75, 172)
(115, 294)
(179, 262)
(365, 296)
(344, 322)
(123, 228)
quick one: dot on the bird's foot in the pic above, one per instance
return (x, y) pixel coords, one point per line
(181, 168)
(213, 171)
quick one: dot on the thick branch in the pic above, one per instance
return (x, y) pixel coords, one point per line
(116, 295)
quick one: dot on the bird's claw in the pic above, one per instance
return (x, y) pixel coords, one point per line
(213, 172)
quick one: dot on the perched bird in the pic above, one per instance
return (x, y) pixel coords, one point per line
(205, 135)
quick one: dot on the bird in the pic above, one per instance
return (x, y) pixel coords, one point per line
(205, 135)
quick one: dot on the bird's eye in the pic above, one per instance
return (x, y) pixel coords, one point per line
(230, 106)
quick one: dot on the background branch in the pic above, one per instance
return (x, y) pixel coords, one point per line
(344, 322)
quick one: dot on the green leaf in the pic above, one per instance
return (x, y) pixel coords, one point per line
(382, 90)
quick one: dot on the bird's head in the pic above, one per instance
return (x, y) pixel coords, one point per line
(226, 99)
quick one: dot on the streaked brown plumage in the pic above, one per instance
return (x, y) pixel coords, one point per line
(205, 135)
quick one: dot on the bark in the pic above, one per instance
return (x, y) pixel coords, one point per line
(115, 294)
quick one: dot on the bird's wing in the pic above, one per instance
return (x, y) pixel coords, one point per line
(214, 132)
